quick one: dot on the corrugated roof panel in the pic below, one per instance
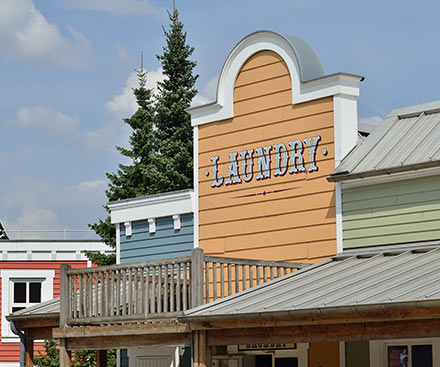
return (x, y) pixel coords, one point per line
(398, 141)
(345, 281)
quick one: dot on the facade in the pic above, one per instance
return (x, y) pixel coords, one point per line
(304, 243)
(29, 275)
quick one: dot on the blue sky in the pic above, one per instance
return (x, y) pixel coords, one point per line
(66, 72)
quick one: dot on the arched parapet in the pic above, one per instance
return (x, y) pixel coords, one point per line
(308, 81)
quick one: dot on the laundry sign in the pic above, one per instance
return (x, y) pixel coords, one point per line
(262, 163)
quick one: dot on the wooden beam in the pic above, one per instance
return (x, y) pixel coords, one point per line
(130, 341)
(395, 315)
(118, 330)
(40, 333)
(29, 350)
(101, 358)
(36, 323)
(65, 355)
(327, 332)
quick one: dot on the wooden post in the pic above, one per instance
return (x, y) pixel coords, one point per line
(29, 350)
(101, 358)
(196, 277)
(65, 355)
(195, 348)
(204, 354)
(65, 291)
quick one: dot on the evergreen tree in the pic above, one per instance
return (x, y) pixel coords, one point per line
(176, 92)
(161, 144)
(133, 179)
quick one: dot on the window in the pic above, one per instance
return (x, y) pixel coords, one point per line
(410, 355)
(22, 289)
(25, 293)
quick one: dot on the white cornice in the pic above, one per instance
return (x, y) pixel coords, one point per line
(302, 90)
(154, 206)
(390, 177)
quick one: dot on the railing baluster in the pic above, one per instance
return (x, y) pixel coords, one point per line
(271, 273)
(186, 269)
(117, 296)
(159, 290)
(135, 291)
(90, 295)
(130, 292)
(147, 290)
(214, 280)
(229, 279)
(165, 288)
(124, 292)
(178, 290)
(243, 273)
(264, 274)
(278, 272)
(222, 281)
(258, 274)
(251, 276)
(75, 297)
(142, 290)
(172, 283)
(109, 293)
(153, 289)
(81, 297)
(207, 282)
(237, 284)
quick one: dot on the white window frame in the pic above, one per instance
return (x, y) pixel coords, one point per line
(379, 349)
(8, 276)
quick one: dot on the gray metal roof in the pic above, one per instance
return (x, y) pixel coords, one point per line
(405, 139)
(346, 283)
(45, 309)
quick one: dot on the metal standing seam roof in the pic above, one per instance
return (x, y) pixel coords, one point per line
(350, 282)
(51, 307)
(405, 139)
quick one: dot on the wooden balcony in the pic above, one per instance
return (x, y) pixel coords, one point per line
(157, 290)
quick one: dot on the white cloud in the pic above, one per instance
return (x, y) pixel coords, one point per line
(124, 104)
(373, 121)
(208, 93)
(39, 203)
(368, 124)
(44, 118)
(27, 35)
(120, 7)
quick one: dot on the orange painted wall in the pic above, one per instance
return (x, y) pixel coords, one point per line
(324, 354)
(10, 352)
(282, 218)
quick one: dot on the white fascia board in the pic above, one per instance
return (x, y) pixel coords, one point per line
(343, 84)
(390, 177)
(19, 250)
(156, 206)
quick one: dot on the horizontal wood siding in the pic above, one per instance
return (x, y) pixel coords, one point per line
(165, 243)
(10, 352)
(390, 213)
(290, 217)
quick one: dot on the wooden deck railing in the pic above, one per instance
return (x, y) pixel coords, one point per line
(157, 289)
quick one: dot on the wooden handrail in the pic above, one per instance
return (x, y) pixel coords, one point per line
(158, 289)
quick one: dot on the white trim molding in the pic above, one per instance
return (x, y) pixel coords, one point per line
(153, 206)
(176, 222)
(7, 276)
(391, 177)
(196, 185)
(307, 84)
(152, 225)
(50, 250)
(128, 229)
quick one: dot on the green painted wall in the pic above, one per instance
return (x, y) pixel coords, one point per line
(357, 354)
(389, 213)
